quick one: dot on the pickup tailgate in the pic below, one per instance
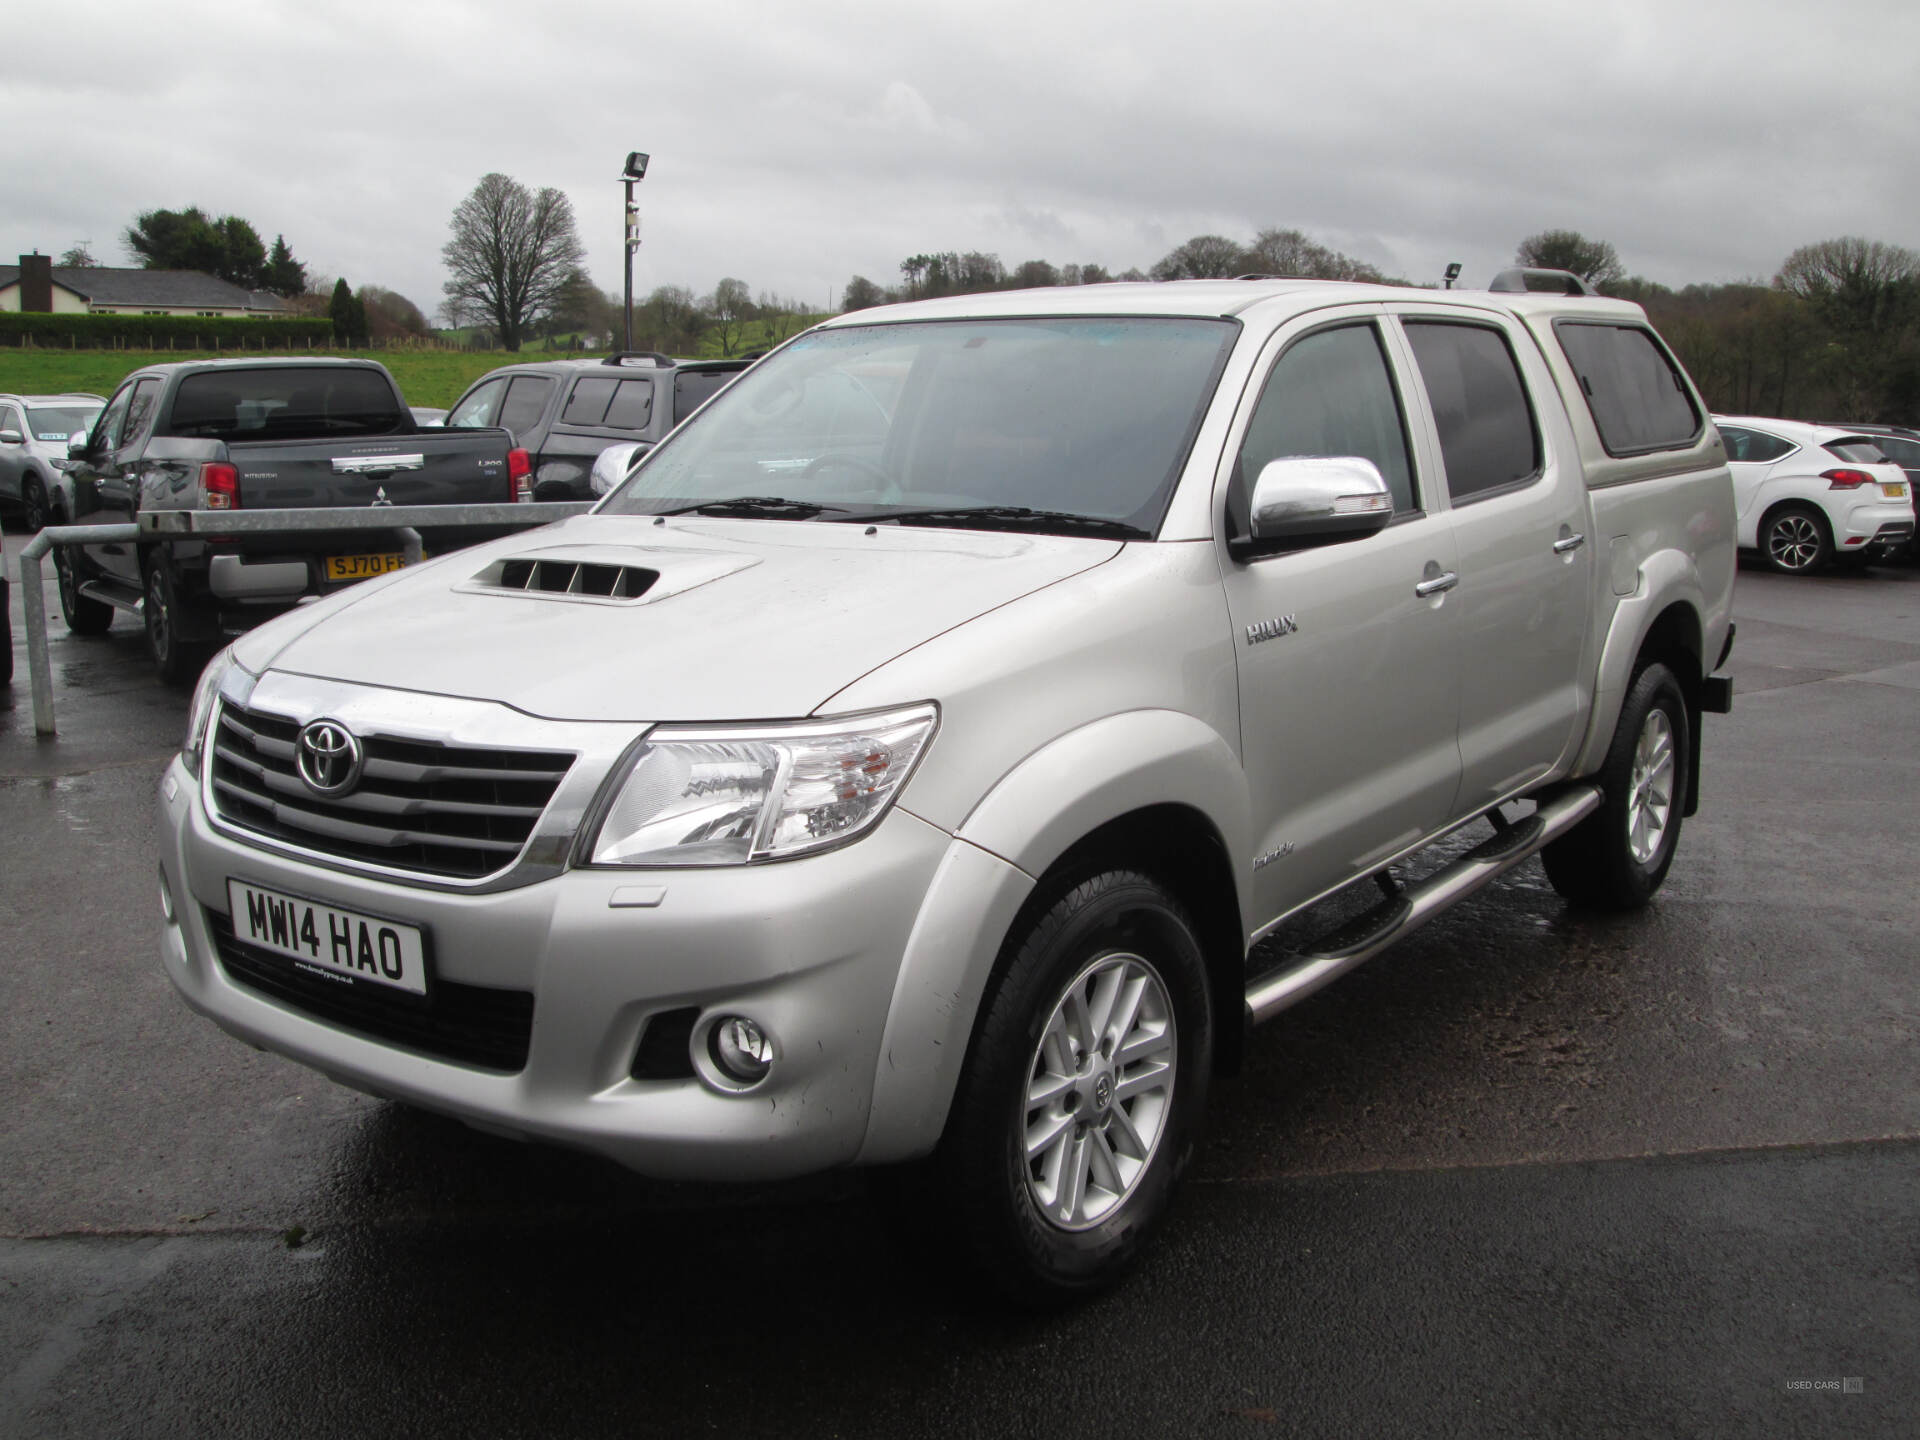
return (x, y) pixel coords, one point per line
(450, 467)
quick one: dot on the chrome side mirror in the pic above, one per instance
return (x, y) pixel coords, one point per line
(1317, 499)
(77, 444)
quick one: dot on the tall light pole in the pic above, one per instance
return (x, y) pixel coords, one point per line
(633, 174)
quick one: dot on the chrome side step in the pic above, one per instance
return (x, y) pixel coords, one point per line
(1373, 932)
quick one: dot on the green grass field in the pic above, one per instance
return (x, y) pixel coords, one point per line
(427, 377)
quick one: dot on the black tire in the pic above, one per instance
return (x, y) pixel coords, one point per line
(1795, 540)
(1604, 862)
(1117, 927)
(178, 661)
(33, 505)
(84, 615)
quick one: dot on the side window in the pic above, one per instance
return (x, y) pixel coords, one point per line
(1753, 446)
(1637, 399)
(479, 405)
(1901, 452)
(526, 402)
(140, 410)
(1331, 393)
(632, 408)
(1488, 437)
(113, 422)
(10, 420)
(587, 405)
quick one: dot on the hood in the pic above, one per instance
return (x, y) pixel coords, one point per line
(733, 619)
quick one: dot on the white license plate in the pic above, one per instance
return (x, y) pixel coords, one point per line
(342, 945)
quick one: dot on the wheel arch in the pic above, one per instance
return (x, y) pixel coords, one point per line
(1155, 791)
(1660, 623)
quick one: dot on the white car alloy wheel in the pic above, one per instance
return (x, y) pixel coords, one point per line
(1651, 799)
(1794, 542)
(1100, 1091)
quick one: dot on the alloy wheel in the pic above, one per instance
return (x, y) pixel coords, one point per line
(1099, 1091)
(1650, 798)
(1794, 542)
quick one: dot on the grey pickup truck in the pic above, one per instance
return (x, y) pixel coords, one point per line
(263, 434)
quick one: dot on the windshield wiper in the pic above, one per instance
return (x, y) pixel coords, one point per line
(754, 507)
(997, 517)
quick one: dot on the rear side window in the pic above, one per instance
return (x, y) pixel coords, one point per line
(140, 411)
(1637, 399)
(1488, 438)
(286, 402)
(526, 402)
(1856, 451)
(587, 405)
(1754, 446)
(632, 406)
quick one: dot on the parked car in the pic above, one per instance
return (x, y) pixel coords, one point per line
(565, 412)
(33, 447)
(1812, 494)
(1901, 445)
(253, 434)
(898, 768)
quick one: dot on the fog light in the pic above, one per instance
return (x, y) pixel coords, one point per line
(741, 1049)
(166, 897)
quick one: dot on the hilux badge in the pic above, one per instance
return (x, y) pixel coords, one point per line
(329, 758)
(1271, 629)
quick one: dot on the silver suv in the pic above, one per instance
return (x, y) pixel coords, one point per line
(900, 767)
(34, 432)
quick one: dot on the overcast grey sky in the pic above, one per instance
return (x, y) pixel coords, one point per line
(795, 145)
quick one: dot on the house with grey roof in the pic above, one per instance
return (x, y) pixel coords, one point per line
(37, 284)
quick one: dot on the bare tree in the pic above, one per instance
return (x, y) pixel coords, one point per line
(513, 255)
(778, 318)
(1292, 253)
(729, 308)
(1201, 258)
(78, 258)
(1594, 261)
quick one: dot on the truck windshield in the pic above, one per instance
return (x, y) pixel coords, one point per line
(286, 402)
(1014, 419)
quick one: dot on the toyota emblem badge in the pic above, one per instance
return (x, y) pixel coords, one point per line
(329, 758)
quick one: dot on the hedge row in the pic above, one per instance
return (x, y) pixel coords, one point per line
(160, 332)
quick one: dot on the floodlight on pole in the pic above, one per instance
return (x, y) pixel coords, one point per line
(1453, 270)
(631, 174)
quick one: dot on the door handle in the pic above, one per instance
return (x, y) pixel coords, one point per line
(1437, 584)
(1568, 544)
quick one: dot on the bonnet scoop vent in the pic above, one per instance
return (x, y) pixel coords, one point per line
(603, 574)
(573, 579)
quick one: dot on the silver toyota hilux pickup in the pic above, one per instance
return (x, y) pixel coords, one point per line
(900, 767)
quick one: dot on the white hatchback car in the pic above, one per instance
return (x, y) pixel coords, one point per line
(1810, 494)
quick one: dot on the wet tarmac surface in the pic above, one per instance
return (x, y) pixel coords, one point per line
(1532, 1172)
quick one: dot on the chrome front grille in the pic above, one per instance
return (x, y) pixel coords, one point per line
(433, 809)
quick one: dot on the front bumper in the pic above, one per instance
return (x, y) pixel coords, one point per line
(809, 949)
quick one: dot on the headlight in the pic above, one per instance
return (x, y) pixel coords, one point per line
(724, 795)
(204, 694)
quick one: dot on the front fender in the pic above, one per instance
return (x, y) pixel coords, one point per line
(1027, 821)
